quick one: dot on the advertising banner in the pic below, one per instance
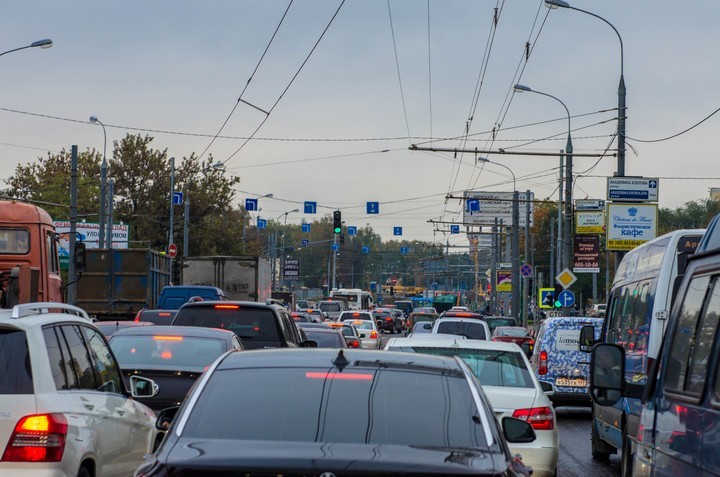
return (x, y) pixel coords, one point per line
(481, 208)
(504, 280)
(590, 222)
(630, 225)
(587, 254)
(291, 269)
(89, 234)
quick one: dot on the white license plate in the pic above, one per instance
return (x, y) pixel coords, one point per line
(577, 382)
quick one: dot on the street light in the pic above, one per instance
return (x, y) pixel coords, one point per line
(568, 179)
(103, 184)
(44, 44)
(621, 85)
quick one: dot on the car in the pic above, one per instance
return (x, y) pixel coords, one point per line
(354, 315)
(327, 338)
(418, 316)
(172, 297)
(109, 327)
(351, 334)
(509, 383)
(425, 309)
(300, 317)
(302, 305)
(399, 318)
(597, 310)
(158, 317)
(557, 358)
(65, 408)
(369, 334)
(385, 320)
(405, 305)
(172, 356)
(421, 327)
(324, 412)
(461, 314)
(515, 334)
(495, 321)
(316, 315)
(258, 325)
(469, 327)
(459, 308)
(332, 308)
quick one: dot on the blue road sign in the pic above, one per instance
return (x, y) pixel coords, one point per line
(397, 230)
(566, 298)
(373, 286)
(306, 228)
(365, 249)
(373, 207)
(261, 223)
(177, 198)
(454, 229)
(304, 243)
(352, 230)
(251, 205)
(472, 205)
(335, 247)
(403, 250)
(547, 298)
(526, 270)
(310, 207)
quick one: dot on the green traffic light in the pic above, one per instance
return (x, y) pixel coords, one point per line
(558, 304)
(337, 230)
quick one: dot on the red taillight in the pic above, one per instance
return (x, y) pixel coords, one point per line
(37, 438)
(343, 376)
(464, 315)
(355, 344)
(373, 335)
(541, 418)
(137, 315)
(227, 307)
(542, 365)
(388, 319)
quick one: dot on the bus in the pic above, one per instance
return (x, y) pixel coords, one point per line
(639, 304)
(357, 299)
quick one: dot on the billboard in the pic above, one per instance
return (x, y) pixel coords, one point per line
(504, 280)
(481, 208)
(587, 254)
(630, 225)
(590, 222)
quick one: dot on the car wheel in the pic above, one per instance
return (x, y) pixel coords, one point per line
(83, 472)
(626, 463)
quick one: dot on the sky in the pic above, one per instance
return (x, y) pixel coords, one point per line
(348, 92)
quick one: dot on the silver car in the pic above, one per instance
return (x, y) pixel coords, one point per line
(370, 337)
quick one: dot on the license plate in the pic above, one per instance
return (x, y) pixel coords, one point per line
(576, 382)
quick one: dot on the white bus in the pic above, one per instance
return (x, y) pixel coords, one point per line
(639, 304)
(357, 299)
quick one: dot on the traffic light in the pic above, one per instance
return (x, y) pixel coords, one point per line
(558, 290)
(337, 222)
(342, 239)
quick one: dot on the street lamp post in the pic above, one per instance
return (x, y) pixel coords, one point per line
(44, 44)
(567, 238)
(103, 184)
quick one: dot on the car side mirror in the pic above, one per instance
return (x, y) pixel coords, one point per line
(165, 418)
(308, 344)
(607, 374)
(547, 388)
(427, 326)
(141, 387)
(587, 338)
(517, 431)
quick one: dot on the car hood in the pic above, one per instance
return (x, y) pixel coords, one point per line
(189, 456)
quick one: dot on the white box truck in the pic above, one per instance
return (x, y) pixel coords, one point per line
(241, 278)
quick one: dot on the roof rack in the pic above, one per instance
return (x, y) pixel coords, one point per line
(20, 311)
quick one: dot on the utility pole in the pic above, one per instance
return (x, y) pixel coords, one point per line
(334, 262)
(110, 200)
(493, 269)
(552, 248)
(72, 273)
(526, 280)
(560, 249)
(172, 194)
(516, 257)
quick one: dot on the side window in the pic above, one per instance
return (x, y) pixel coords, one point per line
(683, 339)
(236, 344)
(704, 339)
(79, 360)
(293, 334)
(282, 323)
(56, 358)
(52, 254)
(106, 368)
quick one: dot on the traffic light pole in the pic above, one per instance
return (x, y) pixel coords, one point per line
(334, 262)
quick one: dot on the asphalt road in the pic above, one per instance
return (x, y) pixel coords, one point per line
(575, 458)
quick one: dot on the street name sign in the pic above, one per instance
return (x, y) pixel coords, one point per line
(632, 189)
(493, 205)
(589, 204)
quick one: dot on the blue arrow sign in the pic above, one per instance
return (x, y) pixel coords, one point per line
(373, 207)
(304, 243)
(454, 229)
(306, 228)
(352, 230)
(261, 223)
(310, 207)
(397, 230)
(365, 249)
(335, 247)
(472, 205)
(177, 198)
(251, 205)
(403, 250)
(566, 298)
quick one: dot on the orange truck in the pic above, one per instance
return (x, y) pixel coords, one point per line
(29, 263)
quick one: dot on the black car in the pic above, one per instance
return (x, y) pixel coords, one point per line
(326, 338)
(325, 412)
(258, 325)
(386, 321)
(172, 356)
(158, 317)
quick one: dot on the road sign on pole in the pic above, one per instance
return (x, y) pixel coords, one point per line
(310, 207)
(251, 205)
(566, 278)
(172, 250)
(177, 198)
(373, 207)
(566, 298)
(526, 270)
(547, 298)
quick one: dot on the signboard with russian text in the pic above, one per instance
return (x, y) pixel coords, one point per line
(496, 204)
(630, 225)
(89, 234)
(587, 254)
(590, 222)
(635, 189)
(504, 280)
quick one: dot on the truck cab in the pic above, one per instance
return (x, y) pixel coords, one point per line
(174, 296)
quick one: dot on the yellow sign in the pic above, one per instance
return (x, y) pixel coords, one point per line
(566, 278)
(546, 298)
(590, 222)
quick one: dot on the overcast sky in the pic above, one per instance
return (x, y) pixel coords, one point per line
(338, 133)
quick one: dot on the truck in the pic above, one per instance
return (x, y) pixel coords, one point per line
(117, 283)
(29, 263)
(241, 278)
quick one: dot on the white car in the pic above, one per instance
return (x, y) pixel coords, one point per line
(506, 377)
(64, 410)
(369, 334)
(471, 328)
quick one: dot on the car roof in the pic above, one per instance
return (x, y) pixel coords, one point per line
(462, 313)
(460, 319)
(242, 304)
(323, 358)
(30, 315)
(423, 340)
(320, 329)
(189, 331)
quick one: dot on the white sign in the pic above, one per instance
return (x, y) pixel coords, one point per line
(592, 222)
(89, 233)
(496, 205)
(479, 241)
(589, 204)
(632, 189)
(567, 340)
(630, 225)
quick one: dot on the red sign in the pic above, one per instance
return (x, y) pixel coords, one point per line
(172, 250)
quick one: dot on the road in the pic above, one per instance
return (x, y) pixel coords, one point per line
(575, 458)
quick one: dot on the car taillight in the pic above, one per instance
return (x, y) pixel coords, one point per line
(373, 335)
(355, 344)
(37, 438)
(226, 307)
(542, 365)
(388, 319)
(541, 418)
(137, 315)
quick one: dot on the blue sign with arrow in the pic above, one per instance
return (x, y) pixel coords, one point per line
(261, 223)
(454, 229)
(403, 250)
(365, 249)
(177, 198)
(566, 298)
(304, 243)
(335, 247)
(352, 230)
(373, 207)
(397, 230)
(251, 205)
(472, 205)
(310, 207)
(305, 228)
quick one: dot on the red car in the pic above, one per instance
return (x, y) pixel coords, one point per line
(515, 334)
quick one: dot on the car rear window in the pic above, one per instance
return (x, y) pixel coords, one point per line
(363, 407)
(330, 307)
(325, 339)
(158, 351)
(158, 317)
(473, 331)
(355, 316)
(257, 327)
(15, 371)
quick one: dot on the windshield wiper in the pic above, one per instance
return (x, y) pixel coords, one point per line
(409, 365)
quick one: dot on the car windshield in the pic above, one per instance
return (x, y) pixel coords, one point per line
(165, 351)
(362, 407)
(473, 331)
(492, 367)
(512, 332)
(355, 316)
(15, 371)
(255, 326)
(363, 325)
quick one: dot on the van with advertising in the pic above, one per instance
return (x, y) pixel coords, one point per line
(557, 359)
(639, 303)
(678, 397)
